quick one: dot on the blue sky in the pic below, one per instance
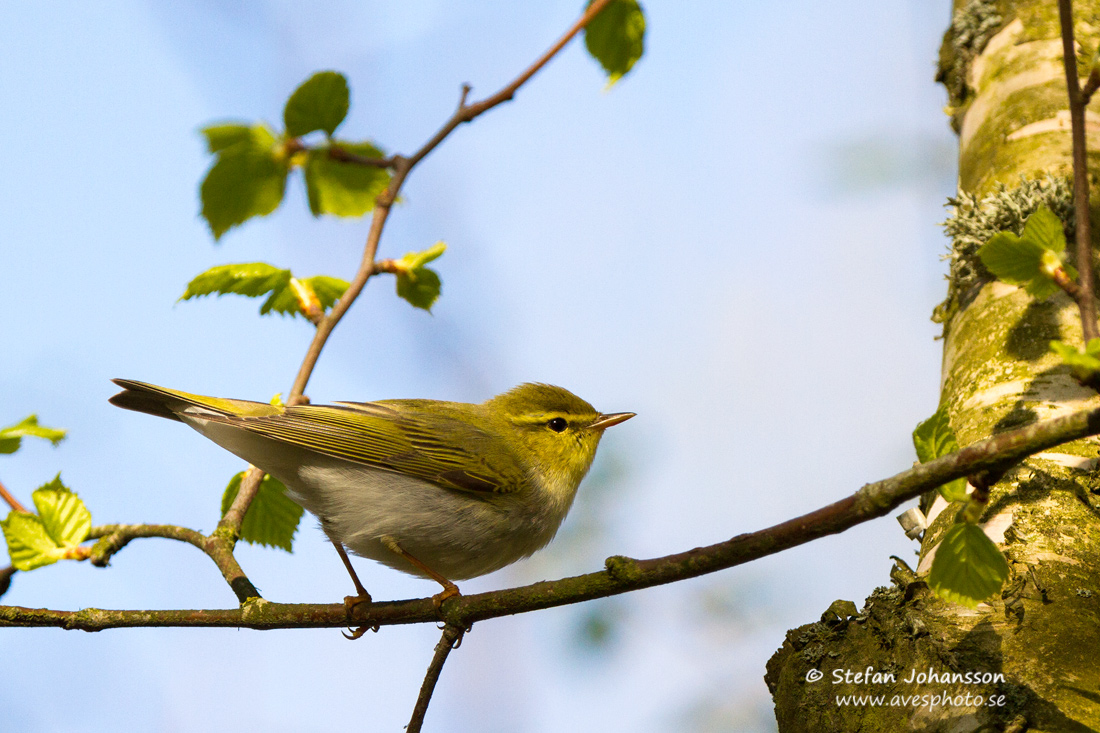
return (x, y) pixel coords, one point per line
(738, 242)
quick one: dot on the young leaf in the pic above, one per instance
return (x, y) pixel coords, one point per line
(616, 37)
(1012, 259)
(320, 103)
(29, 545)
(250, 278)
(63, 515)
(934, 438)
(1032, 259)
(324, 290)
(416, 283)
(271, 519)
(413, 260)
(247, 179)
(12, 436)
(292, 299)
(1083, 365)
(340, 188)
(328, 289)
(220, 137)
(1045, 229)
(255, 279)
(968, 567)
(420, 287)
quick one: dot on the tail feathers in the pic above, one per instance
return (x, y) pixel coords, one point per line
(169, 403)
(147, 398)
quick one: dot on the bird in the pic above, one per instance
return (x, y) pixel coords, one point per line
(440, 490)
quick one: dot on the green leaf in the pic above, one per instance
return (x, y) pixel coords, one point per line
(420, 287)
(252, 279)
(1045, 229)
(255, 279)
(328, 289)
(413, 260)
(220, 137)
(934, 438)
(1012, 259)
(968, 567)
(1031, 259)
(616, 37)
(65, 518)
(29, 545)
(416, 283)
(247, 179)
(1083, 365)
(341, 188)
(272, 518)
(320, 103)
(283, 301)
(11, 437)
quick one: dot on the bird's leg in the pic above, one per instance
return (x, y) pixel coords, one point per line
(361, 596)
(350, 602)
(450, 590)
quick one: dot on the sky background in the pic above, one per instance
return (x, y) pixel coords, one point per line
(738, 241)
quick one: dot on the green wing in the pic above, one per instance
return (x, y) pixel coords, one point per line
(423, 438)
(404, 438)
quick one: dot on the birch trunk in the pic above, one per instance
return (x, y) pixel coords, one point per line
(1036, 649)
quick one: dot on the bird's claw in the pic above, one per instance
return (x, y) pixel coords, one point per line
(359, 631)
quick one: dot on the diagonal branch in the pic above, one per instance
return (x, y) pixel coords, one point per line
(451, 639)
(623, 574)
(113, 537)
(1086, 303)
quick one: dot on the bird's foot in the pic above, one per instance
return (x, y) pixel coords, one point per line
(450, 590)
(350, 602)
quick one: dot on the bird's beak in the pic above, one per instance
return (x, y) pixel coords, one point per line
(614, 418)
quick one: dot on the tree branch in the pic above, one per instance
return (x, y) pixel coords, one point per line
(402, 166)
(338, 153)
(113, 537)
(451, 639)
(623, 574)
(1086, 303)
(467, 112)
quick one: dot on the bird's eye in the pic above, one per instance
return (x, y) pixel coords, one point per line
(558, 424)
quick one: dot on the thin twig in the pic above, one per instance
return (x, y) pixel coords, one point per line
(345, 156)
(229, 528)
(622, 574)
(1092, 83)
(401, 166)
(1086, 303)
(113, 537)
(6, 574)
(11, 500)
(452, 637)
(467, 112)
